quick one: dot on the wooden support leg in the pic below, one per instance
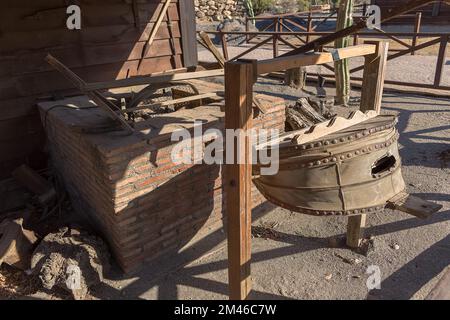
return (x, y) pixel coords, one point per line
(373, 77)
(295, 78)
(355, 230)
(238, 177)
(441, 60)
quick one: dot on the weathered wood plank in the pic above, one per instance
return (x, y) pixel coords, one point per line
(85, 56)
(47, 82)
(308, 59)
(33, 18)
(89, 36)
(414, 205)
(355, 230)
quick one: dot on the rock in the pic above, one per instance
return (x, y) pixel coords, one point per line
(351, 261)
(395, 246)
(16, 244)
(73, 261)
(200, 14)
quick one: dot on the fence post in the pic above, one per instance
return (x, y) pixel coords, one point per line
(417, 24)
(373, 76)
(239, 79)
(309, 28)
(275, 45)
(223, 40)
(440, 61)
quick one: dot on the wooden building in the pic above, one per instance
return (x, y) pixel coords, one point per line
(109, 45)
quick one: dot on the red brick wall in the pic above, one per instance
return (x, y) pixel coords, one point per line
(144, 204)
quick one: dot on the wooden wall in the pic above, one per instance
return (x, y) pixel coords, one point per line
(108, 46)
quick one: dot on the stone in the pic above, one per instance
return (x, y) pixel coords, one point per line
(73, 261)
(16, 244)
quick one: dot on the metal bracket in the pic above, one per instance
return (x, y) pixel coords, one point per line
(335, 55)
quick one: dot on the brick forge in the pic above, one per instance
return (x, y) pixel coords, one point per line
(144, 205)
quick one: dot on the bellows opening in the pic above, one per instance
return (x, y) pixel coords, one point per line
(383, 164)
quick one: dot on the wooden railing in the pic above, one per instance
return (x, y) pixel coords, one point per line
(310, 21)
(279, 39)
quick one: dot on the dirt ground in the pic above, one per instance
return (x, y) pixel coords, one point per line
(297, 256)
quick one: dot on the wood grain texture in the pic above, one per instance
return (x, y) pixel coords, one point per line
(238, 177)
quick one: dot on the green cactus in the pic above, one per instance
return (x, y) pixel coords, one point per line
(342, 71)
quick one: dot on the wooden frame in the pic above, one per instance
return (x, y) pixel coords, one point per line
(239, 79)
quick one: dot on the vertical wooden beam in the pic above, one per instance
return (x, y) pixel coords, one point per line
(373, 77)
(309, 26)
(238, 177)
(223, 39)
(275, 45)
(440, 61)
(416, 30)
(188, 33)
(355, 230)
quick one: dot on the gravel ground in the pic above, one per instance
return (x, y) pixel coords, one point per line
(299, 258)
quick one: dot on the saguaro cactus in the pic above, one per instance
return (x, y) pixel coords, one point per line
(342, 72)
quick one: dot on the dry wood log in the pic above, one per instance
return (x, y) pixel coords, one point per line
(302, 115)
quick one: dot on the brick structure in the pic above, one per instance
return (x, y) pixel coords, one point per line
(143, 204)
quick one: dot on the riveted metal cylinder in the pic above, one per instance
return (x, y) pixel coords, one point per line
(344, 177)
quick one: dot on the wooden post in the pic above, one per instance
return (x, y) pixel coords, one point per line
(239, 79)
(223, 39)
(373, 77)
(416, 30)
(275, 45)
(309, 27)
(371, 95)
(355, 230)
(247, 38)
(440, 61)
